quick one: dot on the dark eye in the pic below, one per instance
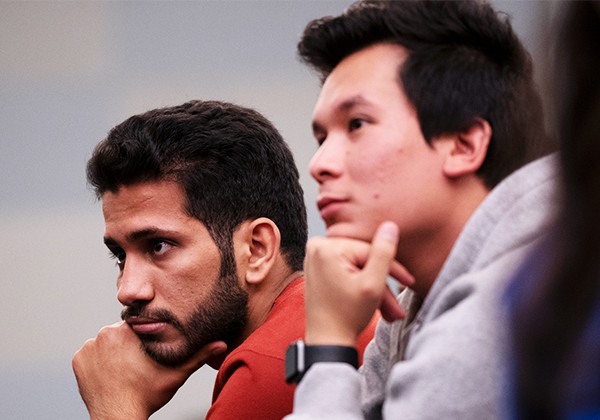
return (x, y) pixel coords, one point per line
(160, 247)
(320, 135)
(355, 124)
(118, 255)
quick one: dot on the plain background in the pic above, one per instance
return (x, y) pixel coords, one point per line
(70, 71)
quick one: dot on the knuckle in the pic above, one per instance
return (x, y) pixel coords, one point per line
(368, 292)
(75, 361)
(369, 289)
(316, 246)
(104, 331)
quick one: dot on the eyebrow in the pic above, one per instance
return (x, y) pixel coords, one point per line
(138, 235)
(345, 106)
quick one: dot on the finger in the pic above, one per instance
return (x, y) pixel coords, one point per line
(204, 354)
(401, 274)
(383, 251)
(116, 334)
(390, 308)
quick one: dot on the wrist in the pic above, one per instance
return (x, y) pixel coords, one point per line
(300, 357)
(314, 337)
(118, 414)
(119, 410)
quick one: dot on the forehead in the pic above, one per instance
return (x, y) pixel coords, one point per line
(157, 203)
(144, 194)
(362, 77)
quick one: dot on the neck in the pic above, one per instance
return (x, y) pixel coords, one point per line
(260, 302)
(261, 297)
(425, 260)
(425, 255)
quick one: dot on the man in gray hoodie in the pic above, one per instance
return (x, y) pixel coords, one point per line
(431, 138)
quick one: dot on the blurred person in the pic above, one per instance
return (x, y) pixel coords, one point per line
(204, 215)
(555, 297)
(432, 169)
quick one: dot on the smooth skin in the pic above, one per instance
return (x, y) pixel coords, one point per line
(386, 196)
(364, 269)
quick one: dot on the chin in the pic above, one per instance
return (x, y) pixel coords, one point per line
(166, 353)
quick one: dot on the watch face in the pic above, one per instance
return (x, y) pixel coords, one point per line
(291, 363)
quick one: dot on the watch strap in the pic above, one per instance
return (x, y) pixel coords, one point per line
(300, 357)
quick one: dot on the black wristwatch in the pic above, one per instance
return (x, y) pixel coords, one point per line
(299, 357)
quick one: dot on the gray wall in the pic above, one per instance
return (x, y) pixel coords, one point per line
(69, 72)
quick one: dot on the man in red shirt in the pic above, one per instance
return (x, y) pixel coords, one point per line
(205, 218)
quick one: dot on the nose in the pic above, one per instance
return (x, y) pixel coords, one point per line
(134, 284)
(328, 161)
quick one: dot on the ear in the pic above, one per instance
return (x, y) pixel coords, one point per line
(468, 149)
(264, 241)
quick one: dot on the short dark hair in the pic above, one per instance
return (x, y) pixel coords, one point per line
(465, 62)
(231, 162)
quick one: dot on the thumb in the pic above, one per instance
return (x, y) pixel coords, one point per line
(383, 250)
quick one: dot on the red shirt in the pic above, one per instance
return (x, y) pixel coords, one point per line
(251, 383)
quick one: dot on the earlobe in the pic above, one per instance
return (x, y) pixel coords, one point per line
(468, 150)
(264, 248)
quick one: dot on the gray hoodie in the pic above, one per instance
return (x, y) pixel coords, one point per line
(445, 361)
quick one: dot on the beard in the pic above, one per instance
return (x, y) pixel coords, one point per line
(221, 316)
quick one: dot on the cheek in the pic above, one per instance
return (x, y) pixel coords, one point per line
(377, 174)
(191, 282)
